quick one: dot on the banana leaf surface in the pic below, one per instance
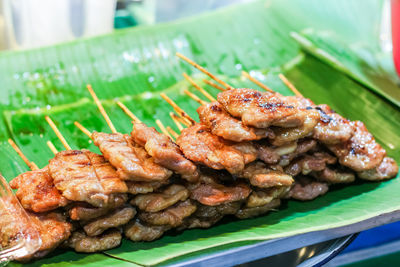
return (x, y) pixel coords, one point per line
(135, 65)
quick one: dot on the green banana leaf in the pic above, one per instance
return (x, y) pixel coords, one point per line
(135, 65)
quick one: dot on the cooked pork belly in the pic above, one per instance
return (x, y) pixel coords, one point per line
(305, 189)
(334, 176)
(131, 161)
(36, 191)
(172, 216)
(361, 152)
(202, 147)
(260, 175)
(164, 151)
(153, 202)
(118, 217)
(247, 212)
(85, 176)
(135, 188)
(140, 231)
(308, 163)
(220, 123)
(260, 198)
(80, 242)
(386, 170)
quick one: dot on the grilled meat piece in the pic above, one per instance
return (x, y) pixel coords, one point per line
(308, 163)
(85, 212)
(303, 146)
(220, 123)
(361, 152)
(305, 189)
(332, 128)
(262, 110)
(36, 191)
(211, 193)
(116, 218)
(172, 216)
(85, 176)
(135, 188)
(386, 170)
(262, 176)
(272, 154)
(246, 212)
(164, 151)
(334, 176)
(139, 231)
(80, 242)
(201, 146)
(132, 161)
(154, 202)
(287, 135)
(260, 198)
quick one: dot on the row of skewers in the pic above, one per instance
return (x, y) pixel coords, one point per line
(250, 150)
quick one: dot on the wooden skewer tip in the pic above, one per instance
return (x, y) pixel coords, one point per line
(58, 133)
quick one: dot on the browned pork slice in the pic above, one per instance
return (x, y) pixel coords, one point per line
(333, 175)
(262, 197)
(202, 147)
(135, 188)
(260, 175)
(36, 191)
(131, 161)
(305, 189)
(306, 164)
(164, 151)
(386, 170)
(220, 123)
(137, 231)
(361, 152)
(153, 202)
(262, 110)
(211, 193)
(247, 212)
(85, 176)
(80, 242)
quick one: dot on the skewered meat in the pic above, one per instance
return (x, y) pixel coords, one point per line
(84, 212)
(172, 216)
(245, 212)
(90, 244)
(308, 163)
(139, 231)
(305, 189)
(201, 146)
(158, 201)
(272, 154)
(303, 146)
(387, 169)
(260, 175)
(261, 198)
(360, 152)
(36, 191)
(164, 151)
(220, 123)
(135, 188)
(334, 176)
(287, 135)
(210, 193)
(117, 218)
(132, 161)
(332, 128)
(85, 176)
(262, 110)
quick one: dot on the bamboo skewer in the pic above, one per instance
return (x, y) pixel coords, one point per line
(172, 132)
(214, 85)
(30, 164)
(52, 147)
(195, 97)
(254, 80)
(290, 85)
(128, 112)
(83, 129)
(101, 108)
(175, 118)
(204, 92)
(58, 133)
(197, 66)
(163, 129)
(177, 108)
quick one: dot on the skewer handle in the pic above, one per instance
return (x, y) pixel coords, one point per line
(128, 112)
(101, 108)
(30, 164)
(204, 92)
(254, 80)
(290, 85)
(58, 133)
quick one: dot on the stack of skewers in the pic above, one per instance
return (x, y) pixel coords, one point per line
(249, 151)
